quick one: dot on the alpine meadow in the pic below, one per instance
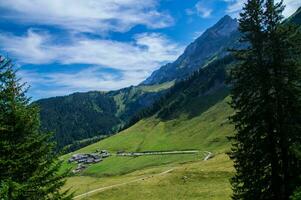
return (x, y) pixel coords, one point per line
(152, 100)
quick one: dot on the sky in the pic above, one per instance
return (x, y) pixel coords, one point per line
(64, 46)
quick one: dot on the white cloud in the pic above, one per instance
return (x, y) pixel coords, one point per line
(235, 6)
(89, 79)
(133, 61)
(291, 7)
(146, 51)
(203, 10)
(32, 48)
(87, 15)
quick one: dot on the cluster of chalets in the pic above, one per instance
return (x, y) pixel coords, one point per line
(83, 160)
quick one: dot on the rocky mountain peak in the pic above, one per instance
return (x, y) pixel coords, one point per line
(225, 26)
(213, 42)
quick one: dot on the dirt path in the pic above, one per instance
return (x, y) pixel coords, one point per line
(120, 184)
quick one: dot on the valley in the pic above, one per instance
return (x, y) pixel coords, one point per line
(116, 175)
(150, 100)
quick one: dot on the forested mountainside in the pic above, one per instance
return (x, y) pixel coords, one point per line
(212, 44)
(84, 115)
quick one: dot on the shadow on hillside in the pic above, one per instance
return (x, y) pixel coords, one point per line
(193, 105)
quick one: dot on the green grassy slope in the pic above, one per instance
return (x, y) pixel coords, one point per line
(207, 131)
(204, 180)
(200, 180)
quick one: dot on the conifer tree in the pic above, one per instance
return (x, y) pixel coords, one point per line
(28, 166)
(266, 97)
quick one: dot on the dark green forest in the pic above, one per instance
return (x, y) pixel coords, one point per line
(85, 115)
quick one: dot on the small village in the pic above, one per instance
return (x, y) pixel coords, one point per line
(83, 160)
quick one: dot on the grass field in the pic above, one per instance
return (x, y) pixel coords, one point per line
(193, 180)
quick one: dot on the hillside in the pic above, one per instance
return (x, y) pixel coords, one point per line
(85, 115)
(207, 131)
(194, 115)
(191, 180)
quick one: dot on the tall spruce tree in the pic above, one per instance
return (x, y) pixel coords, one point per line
(28, 168)
(266, 97)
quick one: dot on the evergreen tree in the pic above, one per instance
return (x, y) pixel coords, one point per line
(28, 166)
(266, 97)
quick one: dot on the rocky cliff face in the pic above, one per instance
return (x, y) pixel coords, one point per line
(212, 44)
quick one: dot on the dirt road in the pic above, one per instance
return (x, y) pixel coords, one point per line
(120, 184)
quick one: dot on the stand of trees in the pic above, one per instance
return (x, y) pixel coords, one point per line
(29, 170)
(266, 96)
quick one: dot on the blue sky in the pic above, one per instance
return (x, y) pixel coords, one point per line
(66, 46)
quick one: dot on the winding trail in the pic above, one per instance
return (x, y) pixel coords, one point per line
(121, 184)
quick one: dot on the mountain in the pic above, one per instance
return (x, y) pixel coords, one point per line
(212, 44)
(85, 115)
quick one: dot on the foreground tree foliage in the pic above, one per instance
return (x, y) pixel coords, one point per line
(266, 96)
(28, 168)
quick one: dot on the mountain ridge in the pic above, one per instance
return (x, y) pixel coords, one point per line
(211, 44)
